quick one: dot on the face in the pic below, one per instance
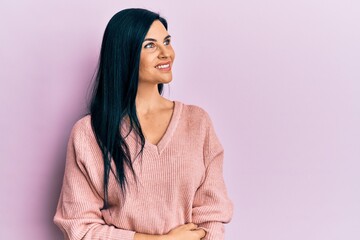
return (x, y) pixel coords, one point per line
(157, 56)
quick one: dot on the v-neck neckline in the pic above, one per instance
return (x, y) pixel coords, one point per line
(160, 146)
(165, 139)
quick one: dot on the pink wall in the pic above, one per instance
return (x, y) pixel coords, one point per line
(279, 78)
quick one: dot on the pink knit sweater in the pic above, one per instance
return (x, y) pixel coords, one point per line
(180, 180)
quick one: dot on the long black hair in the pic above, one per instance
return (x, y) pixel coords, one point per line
(115, 87)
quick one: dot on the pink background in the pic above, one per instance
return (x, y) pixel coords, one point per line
(280, 80)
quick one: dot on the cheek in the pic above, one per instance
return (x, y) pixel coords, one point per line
(145, 65)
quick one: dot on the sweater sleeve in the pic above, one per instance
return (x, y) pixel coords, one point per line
(212, 206)
(78, 212)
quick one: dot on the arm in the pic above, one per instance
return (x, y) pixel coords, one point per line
(140, 236)
(78, 213)
(187, 231)
(212, 206)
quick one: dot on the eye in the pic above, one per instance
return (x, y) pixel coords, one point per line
(149, 45)
(167, 41)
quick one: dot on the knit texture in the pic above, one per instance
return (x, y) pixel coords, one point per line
(179, 180)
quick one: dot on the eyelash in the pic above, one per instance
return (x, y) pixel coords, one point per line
(168, 40)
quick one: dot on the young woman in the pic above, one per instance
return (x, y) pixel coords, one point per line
(140, 166)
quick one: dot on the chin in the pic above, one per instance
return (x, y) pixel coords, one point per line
(166, 81)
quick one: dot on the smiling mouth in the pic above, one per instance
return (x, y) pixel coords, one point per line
(164, 67)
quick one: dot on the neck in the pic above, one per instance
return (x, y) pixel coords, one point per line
(148, 99)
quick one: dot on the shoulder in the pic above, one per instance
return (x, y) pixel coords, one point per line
(82, 127)
(199, 119)
(195, 113)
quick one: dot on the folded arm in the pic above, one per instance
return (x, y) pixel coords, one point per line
(212, 206)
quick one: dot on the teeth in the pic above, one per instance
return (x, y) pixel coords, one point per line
(163, 66)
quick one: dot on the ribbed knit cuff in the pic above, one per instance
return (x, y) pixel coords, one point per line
(214, 230)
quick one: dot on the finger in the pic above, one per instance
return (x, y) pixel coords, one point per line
(191, 226)
(200, 232)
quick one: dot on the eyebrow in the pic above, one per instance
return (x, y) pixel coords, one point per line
(154, 40)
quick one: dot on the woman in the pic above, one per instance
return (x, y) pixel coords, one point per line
(140, 166)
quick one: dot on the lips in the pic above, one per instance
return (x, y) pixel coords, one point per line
(163, 65)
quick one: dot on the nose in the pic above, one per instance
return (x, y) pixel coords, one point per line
(164, 52)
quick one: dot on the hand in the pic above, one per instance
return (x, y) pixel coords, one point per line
(187, 231)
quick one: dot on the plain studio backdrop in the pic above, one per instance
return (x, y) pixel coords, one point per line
(280, 80)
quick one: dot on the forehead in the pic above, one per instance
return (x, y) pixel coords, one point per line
(157, 29)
